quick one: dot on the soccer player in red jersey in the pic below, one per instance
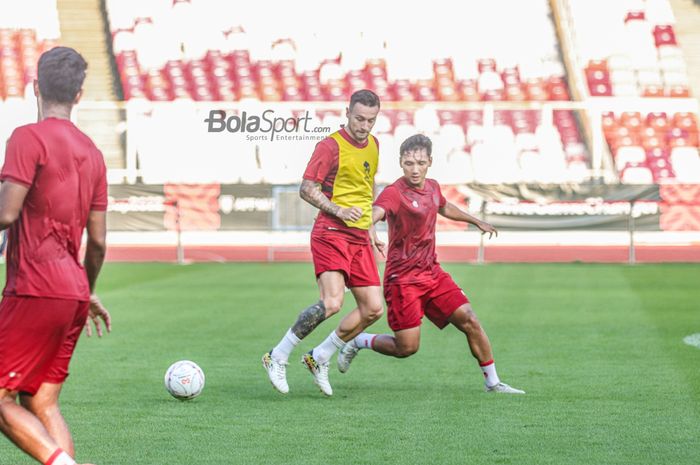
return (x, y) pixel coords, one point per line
(53, 187)
(414, 283)
(339, 181)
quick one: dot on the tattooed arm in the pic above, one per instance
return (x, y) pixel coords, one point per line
(311, 192)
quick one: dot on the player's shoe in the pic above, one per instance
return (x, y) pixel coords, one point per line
(277, 372)
(503, 388)
(346, 355)
(319, 371)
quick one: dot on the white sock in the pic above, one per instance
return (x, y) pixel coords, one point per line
(285, 347)
(490, 375)
(323, 352)
(60, 458)
(364, 341)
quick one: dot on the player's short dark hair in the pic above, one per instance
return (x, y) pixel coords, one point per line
(61, 72)
(416, 142)
(365, 97)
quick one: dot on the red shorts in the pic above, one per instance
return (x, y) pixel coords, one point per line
(355, 261)
(37, 339)
(437, 299)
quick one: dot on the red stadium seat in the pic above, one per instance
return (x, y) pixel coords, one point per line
(635, 16)
(443, 68)
(448, 94)
(336, 90)
(600, 90)
(516, 93)
(493, 95)
(469, 91)
(424, 91)
(686, 121)
(664, 35)
(486, 64)
(653, 91)
(632, 121)
(679, 92)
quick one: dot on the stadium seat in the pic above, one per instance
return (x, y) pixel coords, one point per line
(637, 174)
(686, 164)
(452, 136)
(625, 37)
(630, 155)
(388, 170)
(458, 168)
(426, 120)
(154, 31)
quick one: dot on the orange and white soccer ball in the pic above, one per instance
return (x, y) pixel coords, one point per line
(184, 380)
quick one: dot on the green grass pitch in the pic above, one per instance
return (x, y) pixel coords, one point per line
(598, 348)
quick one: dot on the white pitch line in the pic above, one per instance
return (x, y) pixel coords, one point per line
(693, 340)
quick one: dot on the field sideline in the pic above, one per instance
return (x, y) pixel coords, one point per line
(598, 348)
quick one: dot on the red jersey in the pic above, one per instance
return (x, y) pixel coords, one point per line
(345, 169)
(66, 177)
(411, 214)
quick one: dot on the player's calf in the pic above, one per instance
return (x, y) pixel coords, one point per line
(404, 351)
(400, 346)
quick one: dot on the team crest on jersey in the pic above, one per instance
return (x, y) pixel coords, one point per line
(367, 170)
(415, 204)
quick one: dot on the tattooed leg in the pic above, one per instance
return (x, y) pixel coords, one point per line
(308, 320)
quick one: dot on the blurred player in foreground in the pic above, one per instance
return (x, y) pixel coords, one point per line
(414, 283)
(53, 186)
(339, 181)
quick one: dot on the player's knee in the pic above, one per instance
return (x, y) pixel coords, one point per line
(465, 320)
(333, 305)
(374, 312)
(43, 412)
(371, 311)
(471, 321)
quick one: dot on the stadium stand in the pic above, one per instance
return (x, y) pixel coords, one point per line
(655, 147)
(24, 36)
(629, 50)
(498, 112)
(230, 58)
(220, 56)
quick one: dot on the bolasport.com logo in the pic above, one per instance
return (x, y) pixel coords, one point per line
(266, 126)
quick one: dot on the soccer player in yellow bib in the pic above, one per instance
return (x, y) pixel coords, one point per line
(339, 181)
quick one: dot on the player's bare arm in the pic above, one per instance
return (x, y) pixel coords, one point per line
(311, 192)
(453, 212)
(376, 242)
(378, 214)
(11, 200)
(94, 258)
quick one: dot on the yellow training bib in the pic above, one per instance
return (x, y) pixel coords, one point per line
(354, 181)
